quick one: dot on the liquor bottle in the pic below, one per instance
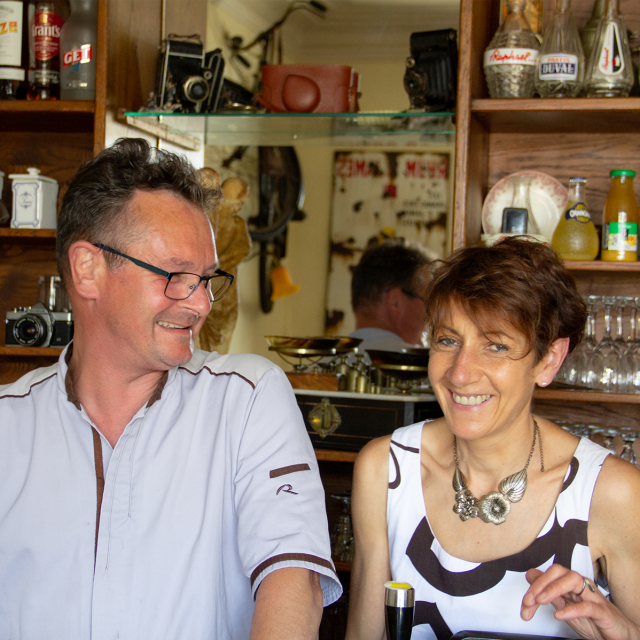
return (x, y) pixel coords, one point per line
(589, 31)
(12, 71)
(511, 57)
(561, 59)
(610, 72)
(46, 18)
(575, 237)
(78, 52)
(620, 219)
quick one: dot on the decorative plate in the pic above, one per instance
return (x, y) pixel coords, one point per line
(547, 196)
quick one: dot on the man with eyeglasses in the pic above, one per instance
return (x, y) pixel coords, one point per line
(147, 489)
(387, 296)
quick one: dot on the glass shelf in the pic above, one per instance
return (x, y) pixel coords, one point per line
(405, 129)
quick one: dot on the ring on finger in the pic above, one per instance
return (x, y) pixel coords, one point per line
(586, 583)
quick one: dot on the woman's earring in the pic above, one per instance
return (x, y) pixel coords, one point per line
(543, 384)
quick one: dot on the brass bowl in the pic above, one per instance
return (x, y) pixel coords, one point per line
(319, 343)
(348, 344)
(408, 364)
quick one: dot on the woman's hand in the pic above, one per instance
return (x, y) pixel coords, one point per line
(587, 611)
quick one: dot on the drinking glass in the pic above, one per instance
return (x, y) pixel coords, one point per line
(342, 535)
(586, 375)
(606, 356)
(632, 355)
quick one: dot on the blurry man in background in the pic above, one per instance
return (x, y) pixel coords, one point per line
(387, 296)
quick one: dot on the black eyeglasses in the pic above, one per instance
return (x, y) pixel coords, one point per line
(181, 285)
(411, 294)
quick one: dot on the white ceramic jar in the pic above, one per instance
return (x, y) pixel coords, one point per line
(34, 200)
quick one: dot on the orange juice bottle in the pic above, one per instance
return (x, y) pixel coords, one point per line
(620, 219)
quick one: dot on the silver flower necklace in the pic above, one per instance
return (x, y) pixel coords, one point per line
(495, 506)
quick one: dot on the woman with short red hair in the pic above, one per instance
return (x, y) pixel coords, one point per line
(501, 520)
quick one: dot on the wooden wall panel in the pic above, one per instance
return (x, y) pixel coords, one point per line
(58, 155)
(134, 37)
(597, 414)
(562, 156)
(15, 367)
(20, 266)
(630, 10)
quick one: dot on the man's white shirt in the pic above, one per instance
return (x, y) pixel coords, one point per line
(212, 486)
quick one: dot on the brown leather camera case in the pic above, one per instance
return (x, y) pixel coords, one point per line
(309, 88)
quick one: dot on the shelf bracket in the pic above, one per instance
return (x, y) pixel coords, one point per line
(150, 124)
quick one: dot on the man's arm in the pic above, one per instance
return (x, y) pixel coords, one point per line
(288, 606)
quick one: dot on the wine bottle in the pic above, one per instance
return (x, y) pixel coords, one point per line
(12, 70)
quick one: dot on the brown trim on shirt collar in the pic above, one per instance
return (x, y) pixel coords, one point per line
(157, 394)
(68, 380)
(73, 399)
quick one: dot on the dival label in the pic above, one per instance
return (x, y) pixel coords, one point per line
(79, 55)
(611, 60)
(510, 56)
(10, 32)
(556, 66)
(45, 34)
(578, 212)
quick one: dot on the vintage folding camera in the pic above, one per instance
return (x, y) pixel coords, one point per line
(187, 79)
(432, 70)
(36, 326)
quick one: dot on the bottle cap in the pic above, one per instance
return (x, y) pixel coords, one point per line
(616, 173)
(399, 594)
(577, 179)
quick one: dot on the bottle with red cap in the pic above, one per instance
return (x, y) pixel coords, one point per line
(46, 18)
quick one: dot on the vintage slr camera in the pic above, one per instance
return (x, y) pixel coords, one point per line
(432, 70)
(187, 79)
(36, 326)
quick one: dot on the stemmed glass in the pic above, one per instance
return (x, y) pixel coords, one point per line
(606, 356)
(586, 374)
(632, 356)
(342, 535)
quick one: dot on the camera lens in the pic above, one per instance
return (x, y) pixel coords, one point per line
(30, 331)
(196, 89)
(415, 83)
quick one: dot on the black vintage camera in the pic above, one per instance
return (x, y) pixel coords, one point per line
(36, 326)
(187, 79)
(432, 70)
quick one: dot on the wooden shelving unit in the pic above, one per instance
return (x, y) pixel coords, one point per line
(327, 455)
(23, 352)
(56, 137)
(23, 235)
(561, 137)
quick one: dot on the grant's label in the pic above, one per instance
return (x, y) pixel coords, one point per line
(510, 56)
(620, 236)
(558, 66)
(10, 33)
(578, 212)
(611, 60)
(45, 34)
